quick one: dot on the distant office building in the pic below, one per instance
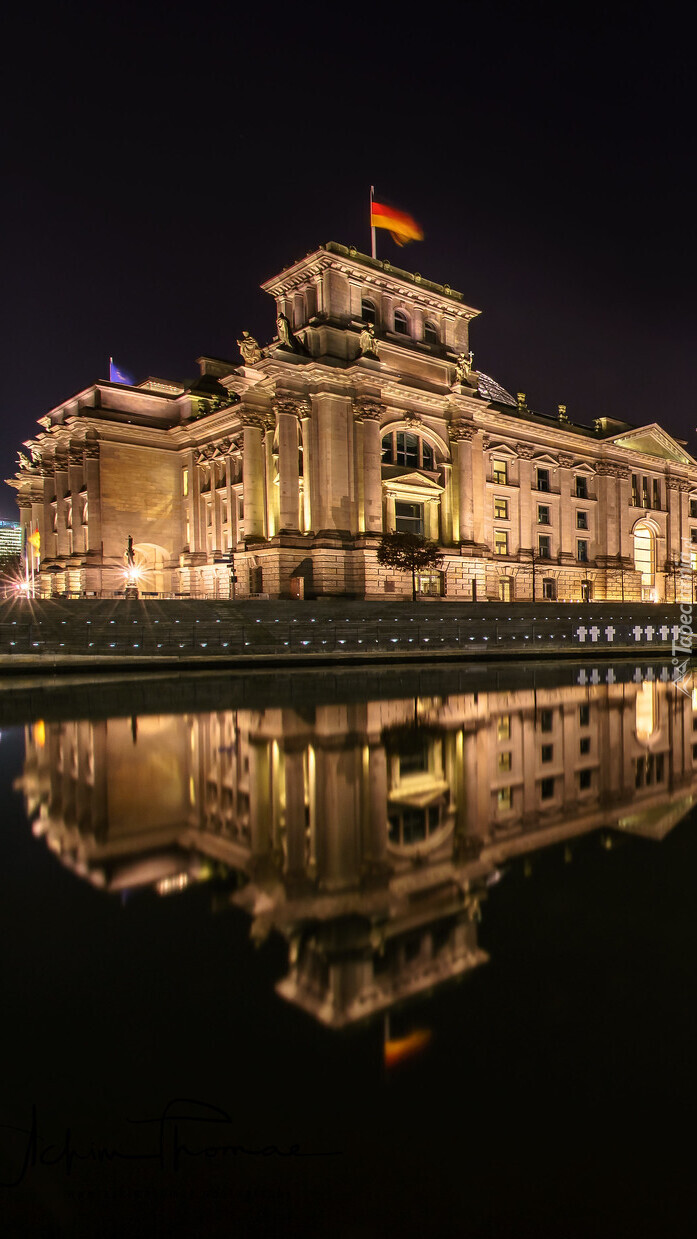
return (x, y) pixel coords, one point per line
(10, 538)
(363, 415)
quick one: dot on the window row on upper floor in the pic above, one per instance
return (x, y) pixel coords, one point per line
(399, 323)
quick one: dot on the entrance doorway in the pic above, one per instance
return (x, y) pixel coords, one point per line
(505, 589)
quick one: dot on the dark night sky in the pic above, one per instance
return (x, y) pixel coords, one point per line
(158, 164)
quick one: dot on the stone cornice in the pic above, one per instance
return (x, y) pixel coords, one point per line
(611, 468)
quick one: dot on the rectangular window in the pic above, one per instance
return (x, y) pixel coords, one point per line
(543, 514)
(581, 520)
(500, 542)
(546, 720)
(503, 727)
(547, 752)
(656, 496)
(585, 745)
(693, 509)
(546, 789)
(505, 798)
(693, 535)
(500, 472)
(581, 487)
(409, 517)
(644, 492)
(543, 479)
(635, 491)
(543, 546)
(549, 589)
(188, 533)
(500, 509)
(659, 767)
(504, 762)
(185, 482)
(582, 550)
(584, 780)
(584, 715)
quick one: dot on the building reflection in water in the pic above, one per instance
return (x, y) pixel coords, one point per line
(367, 834)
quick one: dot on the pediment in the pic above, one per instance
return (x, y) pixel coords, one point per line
(653, 441)
(412, 479)
(544, 459)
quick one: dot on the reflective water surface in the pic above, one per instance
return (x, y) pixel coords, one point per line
(387, 954)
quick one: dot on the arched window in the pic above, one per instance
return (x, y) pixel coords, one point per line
(368, 312)
(430, 333)
(645, 712)
(645, 554)
(402, 448)
(401, 323)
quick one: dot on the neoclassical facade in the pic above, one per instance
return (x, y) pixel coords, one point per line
(364, 415)
(366, 833)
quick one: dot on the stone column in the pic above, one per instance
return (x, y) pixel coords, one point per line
(608, 515)
(335, 477)
(306, 432)
(461, 436)
(477, 485)
(286, 410)
(253, 475)
(527, 537)
(271, 488)
(75, 483)
(391, 514)
(62, 547)
(294, 773)
(368, 415)
(446, 504)
(94, 513)
(375, 841)
(567, 525)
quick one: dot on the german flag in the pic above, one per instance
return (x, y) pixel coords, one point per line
(401, 227)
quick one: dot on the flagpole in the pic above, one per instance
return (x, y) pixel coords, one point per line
(372, 230)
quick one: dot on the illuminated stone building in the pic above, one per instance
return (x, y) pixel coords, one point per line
(367, 834)
(364, 415)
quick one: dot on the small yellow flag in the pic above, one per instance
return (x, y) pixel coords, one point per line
(35, 540)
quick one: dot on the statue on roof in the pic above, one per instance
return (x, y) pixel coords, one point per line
(463, 367)
(23, 461)
(249, 349)
(367, 342)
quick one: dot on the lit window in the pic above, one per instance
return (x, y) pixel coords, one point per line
(505, 798)
(581, 488)
(504, 762)
(430, 333)
(543, 479)
(185, 482)
(543, 514)
(501, 510)
(401, 323)
(500, 472)
(503, 727)
(500, 542)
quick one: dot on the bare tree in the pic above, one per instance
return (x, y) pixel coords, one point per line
(409, 552)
